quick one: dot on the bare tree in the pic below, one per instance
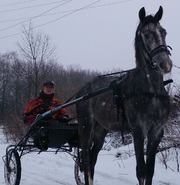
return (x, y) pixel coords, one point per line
(37, 51)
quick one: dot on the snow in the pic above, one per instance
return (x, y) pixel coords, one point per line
(50, 168)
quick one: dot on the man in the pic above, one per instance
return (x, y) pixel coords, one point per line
(44, 102)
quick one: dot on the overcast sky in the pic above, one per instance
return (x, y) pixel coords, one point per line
(94, 34)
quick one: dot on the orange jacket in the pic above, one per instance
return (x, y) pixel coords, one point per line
(39, 106)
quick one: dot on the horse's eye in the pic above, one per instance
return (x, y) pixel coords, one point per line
(146, 36)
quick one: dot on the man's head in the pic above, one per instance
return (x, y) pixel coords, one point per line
(48, 87)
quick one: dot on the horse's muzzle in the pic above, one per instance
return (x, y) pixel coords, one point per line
(165, 67)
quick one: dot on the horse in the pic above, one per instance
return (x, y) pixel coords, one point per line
(143, 100)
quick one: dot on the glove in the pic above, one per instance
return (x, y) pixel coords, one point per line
(65, 119)
(28, 119)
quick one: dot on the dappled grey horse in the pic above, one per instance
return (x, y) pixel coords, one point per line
(142, 98)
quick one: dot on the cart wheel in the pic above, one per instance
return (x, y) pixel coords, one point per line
(12, 168)
(78, 172)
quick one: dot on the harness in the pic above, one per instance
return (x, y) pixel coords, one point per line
(119, 97)
(155, 51)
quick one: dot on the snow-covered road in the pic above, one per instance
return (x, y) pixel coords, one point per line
(55, 169)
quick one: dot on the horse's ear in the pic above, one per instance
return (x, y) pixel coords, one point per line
(142, 14)
(159, 14)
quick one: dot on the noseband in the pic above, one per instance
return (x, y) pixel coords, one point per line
(155, 51)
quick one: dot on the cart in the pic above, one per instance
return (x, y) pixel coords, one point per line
(44, 137)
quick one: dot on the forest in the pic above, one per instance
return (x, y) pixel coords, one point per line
(23, 72)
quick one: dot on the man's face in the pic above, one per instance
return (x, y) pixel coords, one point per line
(48, 89)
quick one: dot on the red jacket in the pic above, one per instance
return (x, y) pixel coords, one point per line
(40, 105)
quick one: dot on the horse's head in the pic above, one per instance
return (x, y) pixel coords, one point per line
(150, 43)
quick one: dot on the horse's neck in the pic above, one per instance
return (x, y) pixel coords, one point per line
(151, 80)
(143, 62)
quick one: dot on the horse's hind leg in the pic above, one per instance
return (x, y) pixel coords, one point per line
(92, 143)
(153, 142)
(86, 144)
(86, 126)
(98, 140)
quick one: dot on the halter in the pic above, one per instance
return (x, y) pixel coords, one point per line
(155, 51)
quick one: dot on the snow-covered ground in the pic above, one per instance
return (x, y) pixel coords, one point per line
(54, 169)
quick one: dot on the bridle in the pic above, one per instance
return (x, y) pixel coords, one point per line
(155, 51)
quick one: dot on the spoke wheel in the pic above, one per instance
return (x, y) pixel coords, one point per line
(78, 171)
(12, 168)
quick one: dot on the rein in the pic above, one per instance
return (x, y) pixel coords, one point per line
(152, 95)
(120, 72)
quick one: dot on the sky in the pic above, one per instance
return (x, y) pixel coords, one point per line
(90, 34)
(55, 169)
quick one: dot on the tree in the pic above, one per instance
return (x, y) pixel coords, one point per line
(37, 51)
(5, 82)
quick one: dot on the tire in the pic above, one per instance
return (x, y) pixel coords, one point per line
(12, 168)
(78, 172)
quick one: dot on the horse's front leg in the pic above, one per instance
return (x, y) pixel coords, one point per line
(153, 142)
(139, 152)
